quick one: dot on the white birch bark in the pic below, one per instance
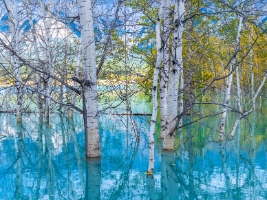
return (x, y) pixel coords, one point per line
(239, 97)
(48, 61)
(165, 68)
(89, 74)
(241, 116)
(17, 64)
(37, 57)
(174, 75)
(251, 73)
(74, 94)
(229, 82)
(181, 95)
(155, 98)
(14, 28)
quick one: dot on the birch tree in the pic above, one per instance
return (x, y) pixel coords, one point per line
(27, 4)
(165, 68)
(230, 79)
(47, 57)
(175, 73)
(90, 109)
(155, 92)
(14, 29)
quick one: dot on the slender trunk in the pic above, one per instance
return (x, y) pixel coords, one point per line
(14, 29)
(17, 64)
(252, 74)
(48, 65)
(165, 68)
(74, 94)
(229, 82)
(19, 171)
(241, 116)
(89, 74)
(50, 173)
(225, 171)
(181, 96)
(174, 75)
(37, 57)
(239, 98)
(154, 98)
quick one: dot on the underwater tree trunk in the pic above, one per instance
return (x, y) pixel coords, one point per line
(174, 75)
(90, 109)
(165, 68)
(93, 179)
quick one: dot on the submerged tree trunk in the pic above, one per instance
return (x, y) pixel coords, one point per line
(165, 68)
(14, 28)
(175, 72)
(241, 116)
(239, 98)
(48, 60)
(155, 97)
(37, 57)
(251, 74)
(93, 179)
(17, 64)
(74, 94)
(229, 82)
(90, 110)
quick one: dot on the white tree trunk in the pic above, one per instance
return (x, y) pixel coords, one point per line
(14, 28)
(181, 96)
(48, 60)
(37, 57)
(17, 64)
(165, 68)
(174, 75)
(241, 116)
(239, 97)
(252, 74)
(229, 82)
(89, 75)
(74, 94)
(154, 98)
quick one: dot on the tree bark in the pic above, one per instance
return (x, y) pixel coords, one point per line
(229, 82)
(175, 72)
(89, 74)
(37, 57)
(155, 97)
(48, 61)
(165, 68)
(14, 28)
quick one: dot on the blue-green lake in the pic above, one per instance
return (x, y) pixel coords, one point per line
(37, 162)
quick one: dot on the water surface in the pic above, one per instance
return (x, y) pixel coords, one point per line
(38, 162)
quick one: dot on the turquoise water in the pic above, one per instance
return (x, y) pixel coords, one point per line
(37, 162)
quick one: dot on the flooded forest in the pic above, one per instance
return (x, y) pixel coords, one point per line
(133, 99)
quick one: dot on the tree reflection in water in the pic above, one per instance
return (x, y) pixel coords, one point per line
(42, 162)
